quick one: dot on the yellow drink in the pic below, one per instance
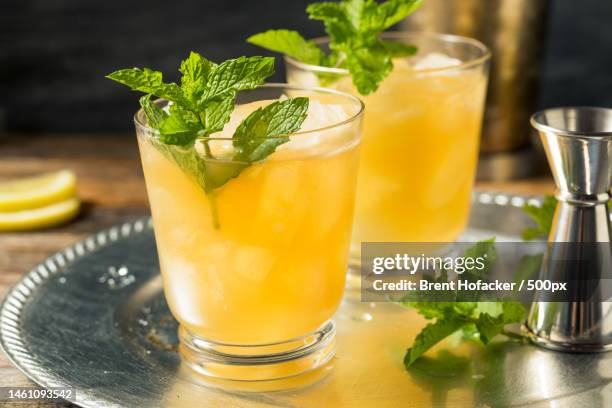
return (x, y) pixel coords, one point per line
(272, 272)
(419, 156)
(420, 145)
(276, 267)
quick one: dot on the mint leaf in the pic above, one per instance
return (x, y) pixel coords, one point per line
(219, 172)
(155, 115)
(195, 70)
(542, 215)
(513, 312)
(464, 309)
(430, 310)
(237, 75)
(180, 127)
(266, 128)
(337, 23)
(398, 49)
(355, 10)
(493, 309)
(390, 13)
(488, 327)
(369, 66)
(482, 249)
(148, 81)
(217, 112)
(145, 80)
(445, 364)
(186, 158)
(290, 43)
(328, 12)
(431, 335)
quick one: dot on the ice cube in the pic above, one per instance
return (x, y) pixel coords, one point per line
(435, 60)
(320, 115)
(251, 262)
(280, 208)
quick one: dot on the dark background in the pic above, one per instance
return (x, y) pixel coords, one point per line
(54, 53)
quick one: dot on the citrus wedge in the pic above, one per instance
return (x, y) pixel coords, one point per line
(39, 191)
(43, 217)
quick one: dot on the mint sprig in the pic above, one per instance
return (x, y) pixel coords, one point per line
(353, 27)
(201, 105)
(480, 320)
(204, 101)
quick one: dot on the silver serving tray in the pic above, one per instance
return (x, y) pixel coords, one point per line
(93, 317)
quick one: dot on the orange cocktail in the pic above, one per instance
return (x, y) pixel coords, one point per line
(258, 266)
(421, 136)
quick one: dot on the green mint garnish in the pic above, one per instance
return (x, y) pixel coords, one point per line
(201, 106)
(290, 43)
(353, 27)
(266, 128)
(480, 320)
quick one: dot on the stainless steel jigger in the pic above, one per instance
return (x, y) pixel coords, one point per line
(578, 143)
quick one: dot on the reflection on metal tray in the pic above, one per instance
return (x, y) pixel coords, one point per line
(93, 317)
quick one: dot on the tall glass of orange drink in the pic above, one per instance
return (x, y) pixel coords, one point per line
(421, 137)
(255, 271)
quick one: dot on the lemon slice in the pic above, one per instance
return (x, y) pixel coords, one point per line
(39, 191)
(42, 217)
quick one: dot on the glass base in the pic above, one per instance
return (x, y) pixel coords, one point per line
(265, 367)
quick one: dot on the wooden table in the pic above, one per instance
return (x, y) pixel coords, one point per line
(111, 186)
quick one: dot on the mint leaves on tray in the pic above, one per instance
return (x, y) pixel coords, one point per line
(201, 106)
(353, 27)
(482, 320)
(476, 320)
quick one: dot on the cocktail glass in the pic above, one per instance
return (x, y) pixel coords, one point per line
(421, 137)
(254, 270)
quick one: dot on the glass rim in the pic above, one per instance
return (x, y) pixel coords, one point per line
(539, 125)
(275, 85)
(449, 38)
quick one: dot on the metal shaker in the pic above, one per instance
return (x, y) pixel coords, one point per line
(578, 145)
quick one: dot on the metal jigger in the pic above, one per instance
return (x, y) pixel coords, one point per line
(578, 144)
